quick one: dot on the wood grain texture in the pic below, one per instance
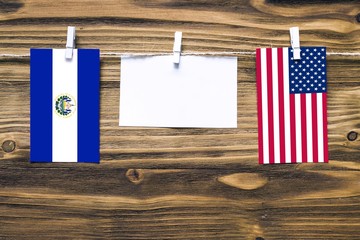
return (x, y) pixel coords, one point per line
(166, 183)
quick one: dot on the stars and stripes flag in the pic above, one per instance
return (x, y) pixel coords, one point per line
(292, 118)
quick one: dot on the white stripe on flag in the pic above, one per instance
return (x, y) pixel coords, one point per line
(298, 128)
(309, 128)
(64, 130)
(320, 120)
(265, 106)
(276, 105)
(287, 106)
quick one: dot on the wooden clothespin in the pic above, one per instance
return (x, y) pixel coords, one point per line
(177, 47)
(295, 42)
(70, 42)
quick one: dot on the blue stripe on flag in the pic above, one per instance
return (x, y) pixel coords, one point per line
(88, 105)
(41, 105)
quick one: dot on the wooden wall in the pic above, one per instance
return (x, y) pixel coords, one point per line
(180, 183)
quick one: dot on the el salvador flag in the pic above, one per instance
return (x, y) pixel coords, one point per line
(64, 106)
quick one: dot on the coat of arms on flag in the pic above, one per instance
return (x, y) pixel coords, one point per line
(292, 118)
(64, 106)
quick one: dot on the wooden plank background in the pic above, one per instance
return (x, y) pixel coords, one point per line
(179, 183)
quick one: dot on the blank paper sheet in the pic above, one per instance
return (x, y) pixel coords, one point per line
(200, 92)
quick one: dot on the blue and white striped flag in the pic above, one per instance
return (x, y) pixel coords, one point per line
(64, 106)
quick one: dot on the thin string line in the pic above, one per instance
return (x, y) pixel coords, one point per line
(129, 54)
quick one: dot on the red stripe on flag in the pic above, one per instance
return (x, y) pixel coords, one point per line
(292, 128)
(281, 105)
(314, 127)
(270, 104)
(303, 128)
(326, 153)
(259, 98)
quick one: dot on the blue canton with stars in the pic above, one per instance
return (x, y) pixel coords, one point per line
(308, 75)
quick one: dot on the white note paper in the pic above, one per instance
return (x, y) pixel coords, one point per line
(200, 92)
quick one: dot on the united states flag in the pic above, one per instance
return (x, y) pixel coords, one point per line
(291, 95)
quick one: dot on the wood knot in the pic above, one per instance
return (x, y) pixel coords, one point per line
(259, 238)
(358, 18)
(245, 181)
(8, 146)
(352, 136)
(135, 176)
